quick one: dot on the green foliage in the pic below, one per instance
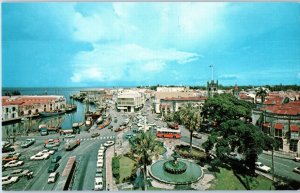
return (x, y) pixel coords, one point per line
(116, 168)
(223, 107)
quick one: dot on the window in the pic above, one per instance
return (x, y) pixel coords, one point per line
(294, 135)
(293, 145)
(278, 132)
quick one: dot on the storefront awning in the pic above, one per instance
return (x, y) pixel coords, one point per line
(294, 128)
(122, 107)
(278, 126)
(266, 124)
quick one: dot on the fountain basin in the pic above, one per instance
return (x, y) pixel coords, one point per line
(192, 174)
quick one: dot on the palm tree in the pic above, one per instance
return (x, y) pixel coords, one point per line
(262, 93)
(191, 119)
(144, 147)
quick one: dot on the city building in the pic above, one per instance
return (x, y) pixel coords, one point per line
(30, 105)
(172, 89)
(163, 95)
(280, 117)
(170, 105)
(130, 101)
(212, 88)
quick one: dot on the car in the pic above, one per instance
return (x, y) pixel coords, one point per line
(47, 151)
(197, 135)
(21, 173)
(98, 183)
(100, 163)
(297, 170)
(28, 143)
(102, 148)
(297, 159)
(40, 156)
(9, 179)
(260, 166)
(13, 163)
(109, 143)
(95, 135)
(70, 136)
(53, 177)
(99, 172)
(8, 158)
(128, 136)
(53, 167)
(55, 158)
(110, 127)
(51, 144)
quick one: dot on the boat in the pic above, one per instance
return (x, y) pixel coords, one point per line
(89, 121)
(94, 115)
(71, 108)
(99, 120)
(52, 113)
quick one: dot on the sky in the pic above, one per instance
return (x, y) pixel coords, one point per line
(132, 44)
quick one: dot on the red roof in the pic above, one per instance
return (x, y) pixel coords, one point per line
(186, 99)
(291, 108)
(278, 126)
(294, 128)
(274, 101)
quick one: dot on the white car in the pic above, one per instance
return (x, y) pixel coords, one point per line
(52, 177)
(262, 167)
(109, 143)
(13, 163)
(102, 148)
(46, 151)
(98, 183)
(9, 179)
(297, 159)
(40, 156)
(99, 172)
(100, 163)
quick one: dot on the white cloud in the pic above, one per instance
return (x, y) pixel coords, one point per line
(124, 62)
(298, 75)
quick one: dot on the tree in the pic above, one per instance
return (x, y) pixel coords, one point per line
(144, 147)
(262, 93)
(225, 107)
(191, 118)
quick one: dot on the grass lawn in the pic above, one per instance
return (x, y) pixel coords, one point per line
(126, 166)
(226, 180)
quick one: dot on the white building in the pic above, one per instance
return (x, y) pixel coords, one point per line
(9, 111)
(130, 101)
(172, 89)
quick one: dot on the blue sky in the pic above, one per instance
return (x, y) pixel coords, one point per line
(129, 44)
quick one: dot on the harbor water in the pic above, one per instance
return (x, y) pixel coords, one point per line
(65, 120)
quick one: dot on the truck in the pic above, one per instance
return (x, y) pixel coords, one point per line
(70, 145)
(173, 125)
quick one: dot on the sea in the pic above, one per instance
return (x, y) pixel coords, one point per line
(65, 120)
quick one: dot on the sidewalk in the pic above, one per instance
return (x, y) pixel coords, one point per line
(276, 154)
(109, 177)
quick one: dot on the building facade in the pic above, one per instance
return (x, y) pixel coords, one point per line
(130, 101)
(170, 105)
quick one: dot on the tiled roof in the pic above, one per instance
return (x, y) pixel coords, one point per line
(278, 126)
(291, 108)
(186, 99)
(294, 128)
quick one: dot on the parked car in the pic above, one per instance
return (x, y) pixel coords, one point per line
(297, 170)
(100, 163)
(47, 151)
(260, 166)
(13, 163)
(51, 144)
(95, 135)
(297, 159)
(53, 167)
(102, 148)
(55, 158)
(8, 158)
(197, 135)
(70, 136)
(28, 143)
(40, 156)
(9, 179)
(109, 143)
(21, 173)
(53, 177)
(128, 136)
(98, 183)
(99, 172)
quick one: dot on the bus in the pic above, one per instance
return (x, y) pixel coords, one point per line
(65, 181)
(168, 133)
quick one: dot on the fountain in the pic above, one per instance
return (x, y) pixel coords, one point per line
(176, 171)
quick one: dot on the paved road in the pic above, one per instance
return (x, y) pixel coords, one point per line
(283, 167)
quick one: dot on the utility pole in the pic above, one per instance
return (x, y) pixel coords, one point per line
(273, 168)
(212, 71)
